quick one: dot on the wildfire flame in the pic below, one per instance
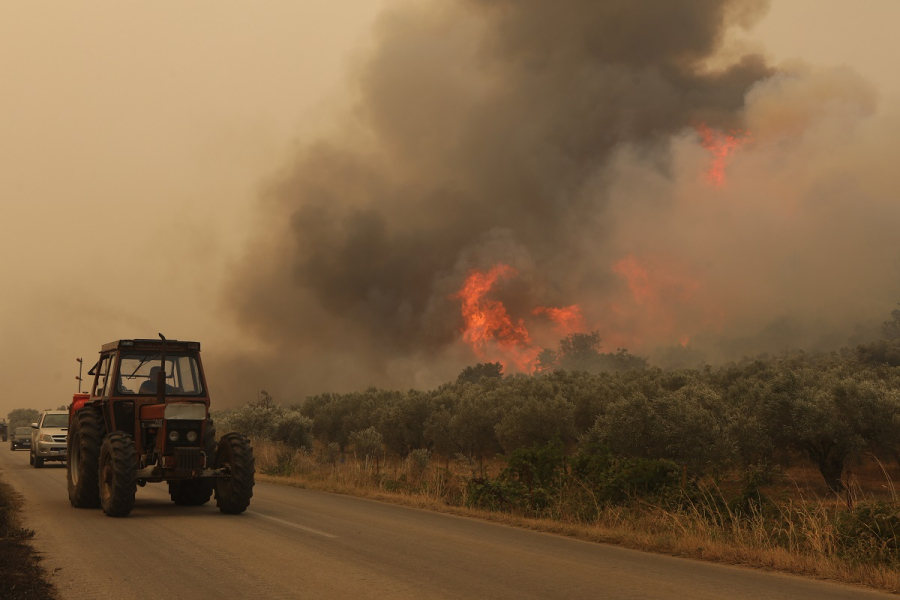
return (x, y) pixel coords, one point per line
(567, 320)
(493, 333)
(488, 322)
(661, 293)
(720, 145)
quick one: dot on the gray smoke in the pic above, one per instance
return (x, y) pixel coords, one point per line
(484, 131)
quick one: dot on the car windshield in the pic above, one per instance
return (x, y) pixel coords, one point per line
(138, 374)
(56, 420)
(23, 430)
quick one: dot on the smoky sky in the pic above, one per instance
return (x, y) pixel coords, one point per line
(482, 131)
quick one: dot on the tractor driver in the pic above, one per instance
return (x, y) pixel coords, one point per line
(149, 386)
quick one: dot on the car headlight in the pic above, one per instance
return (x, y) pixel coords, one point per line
(47, 438)
(191, 436)
(173, 436)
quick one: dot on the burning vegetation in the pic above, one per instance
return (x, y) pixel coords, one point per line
(490, 329)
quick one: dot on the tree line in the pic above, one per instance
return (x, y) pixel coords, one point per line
(755, 415)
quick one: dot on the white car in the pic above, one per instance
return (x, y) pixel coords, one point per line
(48, 437)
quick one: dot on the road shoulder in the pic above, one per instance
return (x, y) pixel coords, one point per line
(21, 575)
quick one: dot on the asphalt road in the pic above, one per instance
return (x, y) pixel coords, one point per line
(295, 543)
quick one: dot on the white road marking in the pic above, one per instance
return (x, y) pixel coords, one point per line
(289, 524)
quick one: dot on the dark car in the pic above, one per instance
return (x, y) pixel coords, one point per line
(20, 438)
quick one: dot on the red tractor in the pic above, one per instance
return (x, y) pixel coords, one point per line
(147, 420)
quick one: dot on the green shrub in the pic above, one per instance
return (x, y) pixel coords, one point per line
(538, 471)
(870, 533)
(616, 480)
(489, 494)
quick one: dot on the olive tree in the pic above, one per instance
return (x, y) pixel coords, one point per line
(686, 426)
(536, 420)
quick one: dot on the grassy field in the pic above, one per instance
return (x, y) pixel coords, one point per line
(792, 524)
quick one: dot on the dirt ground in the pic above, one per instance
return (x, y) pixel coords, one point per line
(21, 574)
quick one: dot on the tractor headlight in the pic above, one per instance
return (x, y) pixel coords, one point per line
(192, 436)
(173, 435)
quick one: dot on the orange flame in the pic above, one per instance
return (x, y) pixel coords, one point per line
(664, 300)
(493, 333)
(488, 322)
(568, 320)
(720, 145)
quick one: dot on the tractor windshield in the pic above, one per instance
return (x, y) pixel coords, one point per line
(138, 374)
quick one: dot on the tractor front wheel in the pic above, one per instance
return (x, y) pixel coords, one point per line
(83, 460)
(235, 455)
(118, 474)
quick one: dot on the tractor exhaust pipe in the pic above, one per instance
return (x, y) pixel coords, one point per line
(161, 376)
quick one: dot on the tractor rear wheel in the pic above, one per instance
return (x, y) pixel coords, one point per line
(83, 461)
(233, 492)
(118, 474)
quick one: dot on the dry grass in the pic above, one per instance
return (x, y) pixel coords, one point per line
(796, 534)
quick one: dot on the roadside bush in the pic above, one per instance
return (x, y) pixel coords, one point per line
(488, 494)
(284, 461)
(870, 533)
(536, 473)
(616, 480)
(418, 462)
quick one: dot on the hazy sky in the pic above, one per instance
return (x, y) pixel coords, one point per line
(135, 139)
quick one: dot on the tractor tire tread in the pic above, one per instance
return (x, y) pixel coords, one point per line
(233, 493)
(88, 431)
(119, 452)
